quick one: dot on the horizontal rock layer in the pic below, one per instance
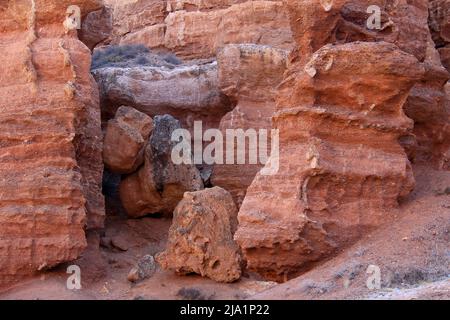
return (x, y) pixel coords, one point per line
(196, 29)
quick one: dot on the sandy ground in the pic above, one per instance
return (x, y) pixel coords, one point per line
(412, 252)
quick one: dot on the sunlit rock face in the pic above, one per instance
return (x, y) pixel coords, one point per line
(51, 141)
(340, 115)
(197, 29)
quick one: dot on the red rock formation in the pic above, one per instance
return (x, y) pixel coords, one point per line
(125, 140)
(159, 184)
(341, 167)
(318, 22)
(196, 29)
(429, 107)
(96, 27)
(314, 24)
(249, 75)
(200, 34)
(50, 146)
(201, 237)
(440, 28)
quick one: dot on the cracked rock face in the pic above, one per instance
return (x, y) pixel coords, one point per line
(51, 141)
(201, 237)
(159, 184)
(125, 140)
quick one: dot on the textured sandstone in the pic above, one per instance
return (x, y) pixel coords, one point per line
(201, 237)
(97, 27)
(440, 28)
(341, 166)
(125, 140)
(200, 34)
(159, 185)
(403, 23)
(200, 5)
(50, 146)
(196, 29)
(429, 107)
(187, 92)
(249, 75)
(130, 16)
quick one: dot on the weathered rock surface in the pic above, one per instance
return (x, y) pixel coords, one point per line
(187, 92)
(440, 28)
(96, 27)
(196, 29)
(159, 185)
(51, 141)
(249, 75)
(317, 22)
(125, 140)
(201, 237)
(341, 166)
(429, 107)
(200, 34)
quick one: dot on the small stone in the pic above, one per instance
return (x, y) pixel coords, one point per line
(144, 269)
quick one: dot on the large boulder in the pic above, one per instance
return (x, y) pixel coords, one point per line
(201, 237)
(51, 140)
(159, 184)
(248, 75)
(125, 140)
(188, 92)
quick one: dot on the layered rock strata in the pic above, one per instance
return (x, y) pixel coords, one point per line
(341, 166)
(51, 142)
(196, 29)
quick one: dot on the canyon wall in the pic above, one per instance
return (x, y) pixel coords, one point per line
(51, 142)
(196, 29)
(340, 115)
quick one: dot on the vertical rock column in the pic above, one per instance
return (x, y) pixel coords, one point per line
(340, 115)
(50, 144)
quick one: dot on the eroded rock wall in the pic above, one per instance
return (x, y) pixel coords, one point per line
(50, 145)
(340, 116)
(196, 29)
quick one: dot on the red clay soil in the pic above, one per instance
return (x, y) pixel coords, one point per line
(421, 227)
